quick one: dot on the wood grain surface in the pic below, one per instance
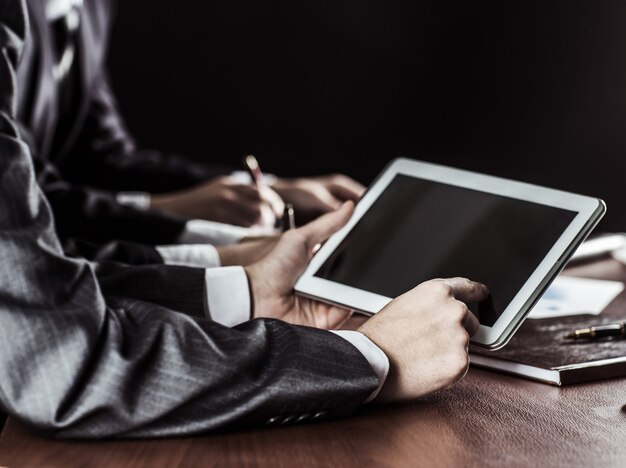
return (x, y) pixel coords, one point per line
(488, 419)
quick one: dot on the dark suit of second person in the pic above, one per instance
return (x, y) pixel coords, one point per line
(83, 151)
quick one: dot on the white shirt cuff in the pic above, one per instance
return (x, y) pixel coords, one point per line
(227, 295)
(190, 255)
(374, 355)
(200, 231)
(138, 200)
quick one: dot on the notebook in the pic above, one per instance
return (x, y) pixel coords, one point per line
(538, 351)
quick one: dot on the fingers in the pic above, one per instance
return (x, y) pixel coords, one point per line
(261, 193)
(343, 193)
(345, 188)
(272, 198)
(330, 204)
(466, 290)
(471, 323)
(341, 188)
(249, 192)
(242, 213)
(326, 201)
(323, 227)
(248, 204)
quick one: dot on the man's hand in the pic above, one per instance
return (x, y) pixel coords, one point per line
(272, 278)
(225, 201)
(314, 196)
(425, 334)
(246, 252)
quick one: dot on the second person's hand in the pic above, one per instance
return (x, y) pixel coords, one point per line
(226, 201)
(314, 196)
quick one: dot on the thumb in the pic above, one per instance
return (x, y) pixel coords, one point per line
(323, 227)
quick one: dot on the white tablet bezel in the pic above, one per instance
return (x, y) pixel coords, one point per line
(589, 211)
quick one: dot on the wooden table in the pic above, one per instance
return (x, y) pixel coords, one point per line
(488, 419)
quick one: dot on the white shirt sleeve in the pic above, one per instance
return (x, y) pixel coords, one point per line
(191, 255)
(374, 355)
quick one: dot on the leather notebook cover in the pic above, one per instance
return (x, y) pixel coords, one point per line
(539, 351)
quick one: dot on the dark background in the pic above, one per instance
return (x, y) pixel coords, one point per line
(532, 90)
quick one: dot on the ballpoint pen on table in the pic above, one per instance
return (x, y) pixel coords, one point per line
(600, 331)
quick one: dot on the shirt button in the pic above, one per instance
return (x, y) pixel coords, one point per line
(320, 414)
(272, 421)
(304, 417)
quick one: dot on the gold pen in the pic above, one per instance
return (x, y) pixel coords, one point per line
(601, 331)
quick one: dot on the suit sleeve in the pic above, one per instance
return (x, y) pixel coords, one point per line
(130, 253)
(73, 364)
(96, 216)
(126, 269)
(175, 287)
(106, 155)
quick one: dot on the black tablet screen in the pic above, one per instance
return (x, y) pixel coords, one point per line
(419, 230)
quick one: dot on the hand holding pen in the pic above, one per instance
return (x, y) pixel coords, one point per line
(288, 215)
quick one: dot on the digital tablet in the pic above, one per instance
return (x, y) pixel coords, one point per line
(420, 221)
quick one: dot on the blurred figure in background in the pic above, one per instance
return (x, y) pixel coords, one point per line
(101, 185)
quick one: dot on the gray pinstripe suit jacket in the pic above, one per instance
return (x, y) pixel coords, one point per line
(75, 364)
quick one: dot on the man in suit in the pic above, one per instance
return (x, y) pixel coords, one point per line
(68, 114)
(87, 161)
(77, 364)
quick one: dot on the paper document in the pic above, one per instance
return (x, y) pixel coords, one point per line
(573, 296)
(599, 247)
